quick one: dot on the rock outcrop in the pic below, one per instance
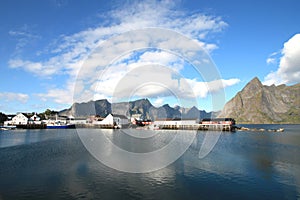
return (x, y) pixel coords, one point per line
(258, 103)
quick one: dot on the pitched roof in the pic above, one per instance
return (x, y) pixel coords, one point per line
(25, 114)
(120, 116)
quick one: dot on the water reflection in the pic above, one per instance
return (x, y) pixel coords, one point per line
(18, 137)
(288, 174)
(136, 155)
(56, 165)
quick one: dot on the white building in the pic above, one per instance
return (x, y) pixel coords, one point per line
(120, 120)
(35, 117)
(174, 122)
(20, 118)
(108, 120)
(77, 120)
(113, 120)
(93, 119)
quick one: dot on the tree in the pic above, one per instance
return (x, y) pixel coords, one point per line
(48, 112)
(3, 118)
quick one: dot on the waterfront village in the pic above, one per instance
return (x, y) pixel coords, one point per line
(113, 121)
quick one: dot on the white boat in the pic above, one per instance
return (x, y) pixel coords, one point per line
(9, 127)
(59, 125)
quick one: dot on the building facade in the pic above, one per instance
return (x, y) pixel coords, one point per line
(20, 119)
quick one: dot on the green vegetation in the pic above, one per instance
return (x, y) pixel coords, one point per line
(47, 113)
(3, 118)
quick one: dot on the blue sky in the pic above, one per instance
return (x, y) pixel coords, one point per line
(52, 50)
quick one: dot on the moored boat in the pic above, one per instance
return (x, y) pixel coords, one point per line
(59, 126)
(8, 127)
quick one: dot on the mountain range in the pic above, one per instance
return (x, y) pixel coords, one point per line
(255, 103)
(142, 107)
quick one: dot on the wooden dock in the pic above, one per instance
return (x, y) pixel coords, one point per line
(201, 127)
(31, 126)
(96, 126)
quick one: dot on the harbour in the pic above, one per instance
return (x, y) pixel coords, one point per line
(114, 121)
(149, 100)
(54, 164)
(118, 121)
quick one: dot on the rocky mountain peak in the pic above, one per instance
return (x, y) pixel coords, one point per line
(255, 81)
(253, 86)
(258, 103)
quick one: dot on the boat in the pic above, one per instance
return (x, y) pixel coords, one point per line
(59, 125)
(8, 127)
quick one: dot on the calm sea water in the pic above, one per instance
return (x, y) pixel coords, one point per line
(54, 164)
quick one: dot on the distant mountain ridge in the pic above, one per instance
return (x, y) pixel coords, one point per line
(142, 106)
(255, 103)
(261, 104)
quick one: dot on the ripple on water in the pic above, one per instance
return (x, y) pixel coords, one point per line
(55, 165)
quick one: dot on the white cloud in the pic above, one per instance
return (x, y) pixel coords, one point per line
(153, 81)
(289, 65)
(273, 58)
(63, 95)
(158, 102)
(69, 53)
(270, 60)
(202, 89)
(161, 57)
(10, 96)
(60, 96)
(23, 37)
(74, 48)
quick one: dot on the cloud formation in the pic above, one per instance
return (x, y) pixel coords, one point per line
(68, 54)
(10, 96)
(288, 71)
(23, 37)
(202, 89)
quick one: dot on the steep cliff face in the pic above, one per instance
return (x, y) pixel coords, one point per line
(165, 111)
(99, 107)
(257, 103)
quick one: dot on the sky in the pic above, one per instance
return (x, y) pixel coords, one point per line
(57, 52)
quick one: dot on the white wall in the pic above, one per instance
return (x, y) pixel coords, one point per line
(179, 122)
(35, 118)
(121, 121)
(108, 120)
(19, 119)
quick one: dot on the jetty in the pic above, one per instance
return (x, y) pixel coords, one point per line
(207, 124)
(31, 126)
(200, 127)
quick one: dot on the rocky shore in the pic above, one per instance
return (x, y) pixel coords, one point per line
(259, 129)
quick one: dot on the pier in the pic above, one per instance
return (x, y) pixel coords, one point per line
(97, 126)
(31, 126)
(200, 127)
(208, 124)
